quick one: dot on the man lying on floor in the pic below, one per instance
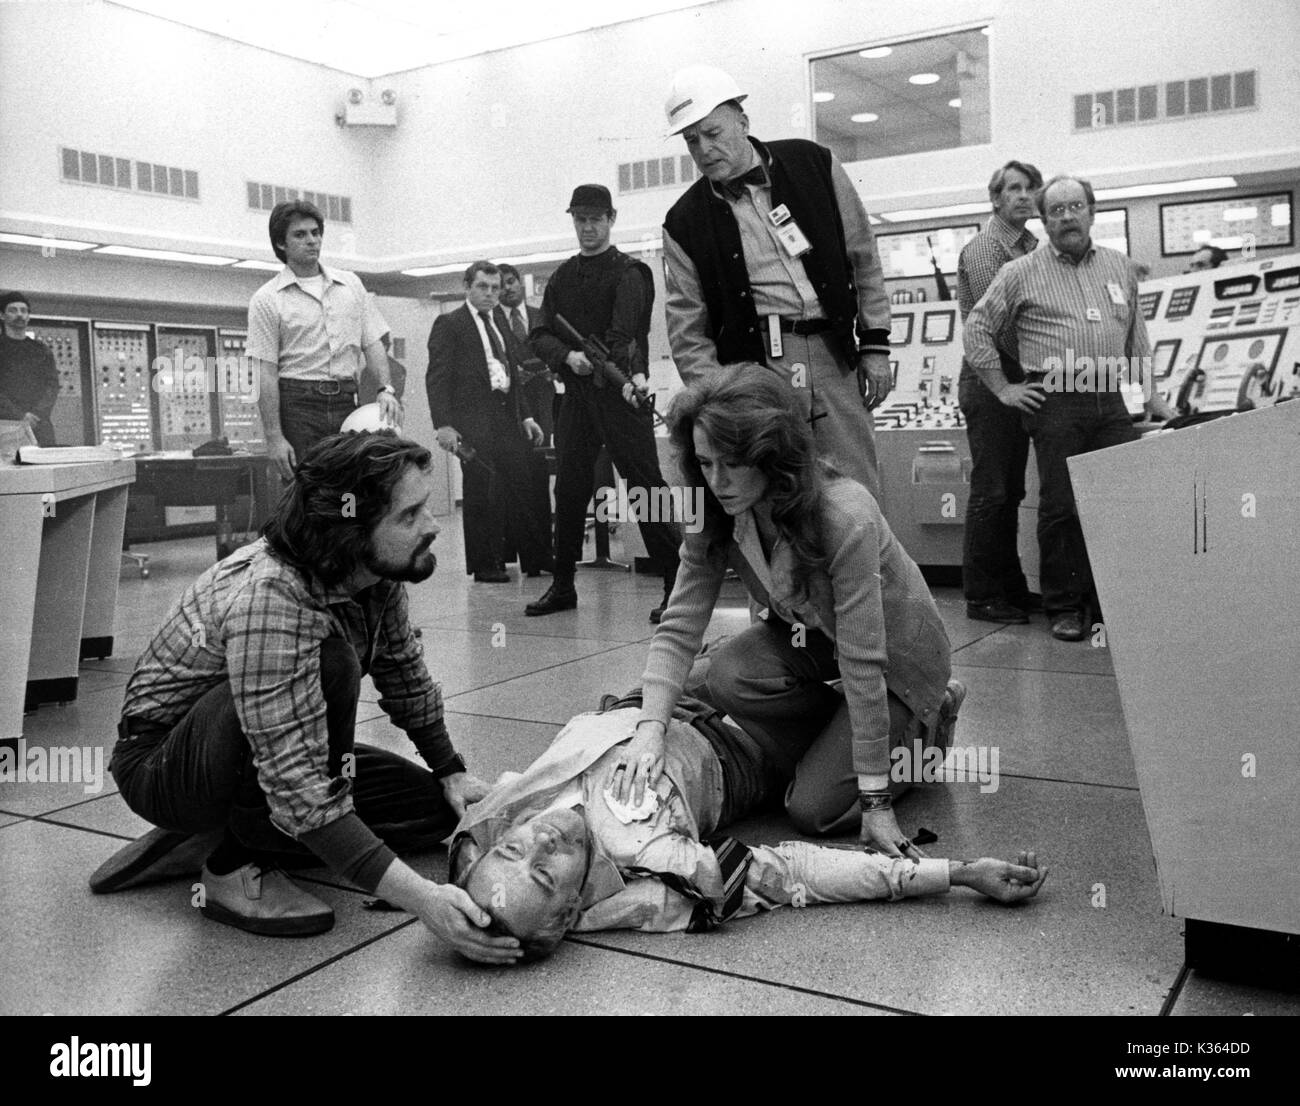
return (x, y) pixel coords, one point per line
(236, 737)
(558, 848)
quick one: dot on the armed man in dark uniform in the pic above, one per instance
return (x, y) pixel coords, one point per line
(770, 258)
(605, 294)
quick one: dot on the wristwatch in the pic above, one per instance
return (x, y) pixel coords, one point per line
(388, 388)
(456, 764)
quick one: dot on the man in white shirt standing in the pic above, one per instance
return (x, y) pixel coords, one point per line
(310, 331)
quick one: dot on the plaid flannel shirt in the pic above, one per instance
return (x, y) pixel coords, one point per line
(259, 623)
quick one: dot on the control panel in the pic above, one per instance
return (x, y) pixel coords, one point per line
(920, 434)
(1226, 339)
(121, 377)
(68, 341)
(186, 386)
(240, 421)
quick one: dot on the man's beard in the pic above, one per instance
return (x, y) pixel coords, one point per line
(414, 571)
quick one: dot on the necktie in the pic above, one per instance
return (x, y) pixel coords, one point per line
(735, 188)
(517, 324)
(497, 351)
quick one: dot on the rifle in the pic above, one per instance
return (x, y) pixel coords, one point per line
(603, 361)
(939, 278)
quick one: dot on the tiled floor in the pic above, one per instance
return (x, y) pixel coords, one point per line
(1067, 788)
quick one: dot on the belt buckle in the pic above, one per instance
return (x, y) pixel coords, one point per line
(329, 387)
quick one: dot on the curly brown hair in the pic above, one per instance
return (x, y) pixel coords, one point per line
(749, 414)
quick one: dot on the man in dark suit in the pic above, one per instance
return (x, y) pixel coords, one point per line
(475, 399)
(538, 389)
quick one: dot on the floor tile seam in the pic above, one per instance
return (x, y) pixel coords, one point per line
(524, 633)
(1072, 783)
(1047, 671)
(1175, 992)
(316, 968)
(45, 819)
(524, 675)
(983, 637)
(707, 969)
(70, 806)
(560, 637)
(504, 717)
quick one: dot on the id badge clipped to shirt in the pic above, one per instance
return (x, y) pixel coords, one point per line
(792, 239)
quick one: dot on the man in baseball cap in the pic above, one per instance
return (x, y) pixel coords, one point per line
(605, 294)
(29, 381)
(769, 258)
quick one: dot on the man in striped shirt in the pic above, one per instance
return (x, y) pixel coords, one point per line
(236, 737)
(1073, 309)
(999, 447)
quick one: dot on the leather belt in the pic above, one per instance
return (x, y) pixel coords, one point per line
(322, 387)
(132, 727)
(805, 326)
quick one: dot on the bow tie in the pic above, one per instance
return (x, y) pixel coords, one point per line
(735, 188)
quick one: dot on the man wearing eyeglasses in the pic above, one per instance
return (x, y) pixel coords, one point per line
(1074, 311)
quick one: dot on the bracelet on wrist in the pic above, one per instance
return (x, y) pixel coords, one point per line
(875, 800)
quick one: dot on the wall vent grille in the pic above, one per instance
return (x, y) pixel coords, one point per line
(264, 197)
(1166, 102)
(108, 171)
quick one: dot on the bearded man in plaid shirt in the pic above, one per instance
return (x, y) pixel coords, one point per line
(237, 731)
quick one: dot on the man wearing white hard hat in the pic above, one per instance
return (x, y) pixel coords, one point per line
(769, 258)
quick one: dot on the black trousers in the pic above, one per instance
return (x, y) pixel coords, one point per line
(999, 450)
(199, 775)
(1067, 424)
(590, 418)
(504, 496)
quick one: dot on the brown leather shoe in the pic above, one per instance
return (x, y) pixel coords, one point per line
(1068, 627)
(264, 901)
(157, 856)
(996, 610)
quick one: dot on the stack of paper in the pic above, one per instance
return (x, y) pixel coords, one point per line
(66, 454)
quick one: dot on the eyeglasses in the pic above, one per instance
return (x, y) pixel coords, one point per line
(1073, 207)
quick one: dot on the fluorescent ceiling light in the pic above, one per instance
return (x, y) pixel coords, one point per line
(876, 52)
(955, 103)
(865, 117)
(923, 78)
(1168, 188)
(42, 241)
(915, 214)
(265, 266)
(436, 270)
(165, 255)
(538, 258)
(823, 97)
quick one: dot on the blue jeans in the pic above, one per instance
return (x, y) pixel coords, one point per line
(199, 775)
(306, 416)
(1067, 424)
(999, 450)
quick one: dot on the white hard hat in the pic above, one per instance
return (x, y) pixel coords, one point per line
(366, 417)
(696, 91)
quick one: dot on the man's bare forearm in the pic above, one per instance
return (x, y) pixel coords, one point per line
(268, 399)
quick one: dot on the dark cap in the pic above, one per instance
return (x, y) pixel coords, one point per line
(14, 297)
(591, 195)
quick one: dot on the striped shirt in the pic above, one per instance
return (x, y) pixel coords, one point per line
(1061, 312)
(984, 255)
(313, 337)
(258, 623)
